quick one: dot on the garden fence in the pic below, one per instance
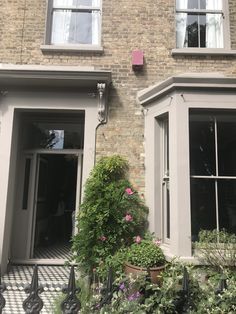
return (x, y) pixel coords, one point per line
(33, 304)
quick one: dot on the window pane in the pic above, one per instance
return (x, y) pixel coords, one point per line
(40, 136)
(187, 4)
(193, 4)
(213, 4)
(226, 132)
(26, 183)
(181, 26)
(203, 211)
(202, 22)
(199, 4)
(203, 4)
(214, 31)
(202, 145)
(75, 3)
(227, 205)
(192, 31)
(75, 27)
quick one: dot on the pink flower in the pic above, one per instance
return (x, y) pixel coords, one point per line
(129, 191)
(103, 238)
(157, 242)
(138, 239)
(128, 217)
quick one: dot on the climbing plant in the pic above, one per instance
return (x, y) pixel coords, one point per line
(111, 215)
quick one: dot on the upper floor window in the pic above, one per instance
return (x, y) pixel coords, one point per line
(74, 22)
(200, 23)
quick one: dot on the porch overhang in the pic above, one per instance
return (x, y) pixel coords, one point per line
(43, 76)
(185, 81)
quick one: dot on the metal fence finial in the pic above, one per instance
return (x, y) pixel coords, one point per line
(33, 303)
(222, 286)
(185, 282)
(71, 304)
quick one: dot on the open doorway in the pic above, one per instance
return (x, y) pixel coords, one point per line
(55, 203)
(48, 185)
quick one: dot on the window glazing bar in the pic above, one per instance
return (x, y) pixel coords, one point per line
(199, 11)
(73, 8)
(213, 177)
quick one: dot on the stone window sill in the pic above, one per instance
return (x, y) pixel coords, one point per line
(203, 52)
(72, 48)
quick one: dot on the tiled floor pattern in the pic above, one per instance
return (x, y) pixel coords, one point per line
(52, 278)
(56, 251)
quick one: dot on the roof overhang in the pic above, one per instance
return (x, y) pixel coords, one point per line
(39, 76)
(185, 81)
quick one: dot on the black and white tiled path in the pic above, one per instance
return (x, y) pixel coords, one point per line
(52, 278)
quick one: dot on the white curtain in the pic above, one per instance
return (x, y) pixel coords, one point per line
(181, 23)
(74, 28)
(214, 25)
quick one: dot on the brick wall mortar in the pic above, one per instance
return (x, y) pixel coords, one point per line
(126, 25)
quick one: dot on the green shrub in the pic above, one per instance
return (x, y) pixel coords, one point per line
(216, 248)
(145, 254)
(111, 214)
(137, 295)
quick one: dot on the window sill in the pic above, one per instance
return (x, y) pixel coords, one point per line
(203, 52)
(72, 48)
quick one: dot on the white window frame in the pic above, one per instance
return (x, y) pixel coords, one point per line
(165, 176)
(67, 46)
(208, 51)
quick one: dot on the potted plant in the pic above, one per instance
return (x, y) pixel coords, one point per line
(145, 255)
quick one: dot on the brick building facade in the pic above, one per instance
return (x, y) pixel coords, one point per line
(26, 57)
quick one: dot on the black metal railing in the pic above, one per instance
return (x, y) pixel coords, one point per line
(33, 304)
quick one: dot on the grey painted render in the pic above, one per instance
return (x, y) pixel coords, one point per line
(185, 81)
(43, 88)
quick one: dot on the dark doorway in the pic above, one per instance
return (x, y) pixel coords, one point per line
(55, 205)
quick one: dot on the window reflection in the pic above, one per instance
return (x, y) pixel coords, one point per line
(54, 135)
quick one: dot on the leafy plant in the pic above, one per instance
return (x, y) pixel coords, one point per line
(145, 254)
(116, 262)
(140, 296)
(216, 248)
(111, 214)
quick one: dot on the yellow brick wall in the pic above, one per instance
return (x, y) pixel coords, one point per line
(126, 25)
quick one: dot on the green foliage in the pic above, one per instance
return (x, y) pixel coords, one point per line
(116, 262)
(218, 303)
(137, 295)
(111, 214)
(216, 248)
(145, 254)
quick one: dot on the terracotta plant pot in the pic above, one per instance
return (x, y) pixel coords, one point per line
(155, 272)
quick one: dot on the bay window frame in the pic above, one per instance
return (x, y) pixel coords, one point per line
(176, 97)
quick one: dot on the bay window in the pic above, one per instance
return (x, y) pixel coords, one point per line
(190, 158)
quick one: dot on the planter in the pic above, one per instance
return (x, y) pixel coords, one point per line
(155, 272)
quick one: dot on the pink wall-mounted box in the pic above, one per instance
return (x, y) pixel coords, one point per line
(137, 59)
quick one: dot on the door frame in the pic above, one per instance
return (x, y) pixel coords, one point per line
(33, 191)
